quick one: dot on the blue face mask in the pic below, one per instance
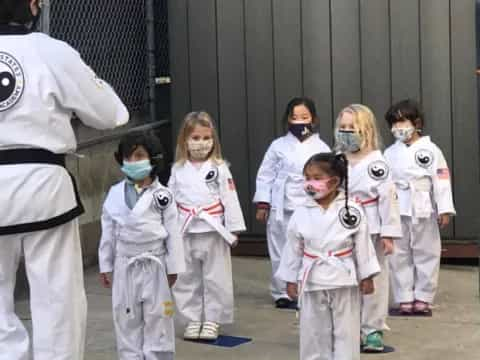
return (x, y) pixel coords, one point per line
(137, 170)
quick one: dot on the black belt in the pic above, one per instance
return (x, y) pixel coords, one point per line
(39, 156)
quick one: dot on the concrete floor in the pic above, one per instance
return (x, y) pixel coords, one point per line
(453, 333)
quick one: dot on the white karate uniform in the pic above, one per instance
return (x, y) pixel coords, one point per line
(209, 212)
(371, 185)
(141, 246)
(424, 190)
(42, 83)
(280, 184)
(327, 257)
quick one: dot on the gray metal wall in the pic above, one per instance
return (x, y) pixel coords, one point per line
(242, 60)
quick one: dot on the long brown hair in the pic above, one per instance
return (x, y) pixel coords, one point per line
(200, 118)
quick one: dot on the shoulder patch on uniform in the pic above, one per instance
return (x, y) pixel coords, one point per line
(162, 199)
(212, 175)
(350, 219)
(378, 170)
(12, 81)
(424, 158)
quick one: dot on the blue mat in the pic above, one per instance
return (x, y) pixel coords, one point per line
(386, 350)
(225, 341)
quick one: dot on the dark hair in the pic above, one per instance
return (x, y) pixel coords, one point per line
(405, 110)
(334, 164)
(17, 11)
(130, 142)
(305, 101)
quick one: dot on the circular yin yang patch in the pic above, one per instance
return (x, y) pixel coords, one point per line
(162, 199)
(212, 175)
(424, 158)
(12, 81)
(350, 219)
(378, 170)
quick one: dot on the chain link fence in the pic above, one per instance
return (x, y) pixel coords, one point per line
(111, 35)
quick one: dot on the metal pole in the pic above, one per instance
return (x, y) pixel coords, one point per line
(45, 17)
(150, 18)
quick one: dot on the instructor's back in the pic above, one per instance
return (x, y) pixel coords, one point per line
(43, 82)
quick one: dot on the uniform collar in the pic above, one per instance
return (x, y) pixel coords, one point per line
(14, 29)
(132, 185)
(310, 202)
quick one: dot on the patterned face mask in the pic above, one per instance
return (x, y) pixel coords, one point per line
(403, 134)
(348, 140)
(199, 149)
(300, 130)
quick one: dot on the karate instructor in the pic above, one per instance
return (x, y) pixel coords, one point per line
(43, 81)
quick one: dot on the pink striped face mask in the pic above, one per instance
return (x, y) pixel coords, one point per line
(317, 189)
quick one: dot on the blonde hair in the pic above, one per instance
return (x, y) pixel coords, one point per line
(200, 118)
(366, 124)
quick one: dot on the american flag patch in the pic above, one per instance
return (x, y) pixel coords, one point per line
(231, 185)
(443, 174)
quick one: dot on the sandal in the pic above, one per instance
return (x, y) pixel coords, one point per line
(209, 331)
(192, 331)
(421, 307)
(406, 308)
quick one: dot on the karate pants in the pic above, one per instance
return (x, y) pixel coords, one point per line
(204, 292)
(375, 306)
(53, 261)
(330, 325)
(415, 263)
(142, 311)
(276, 240)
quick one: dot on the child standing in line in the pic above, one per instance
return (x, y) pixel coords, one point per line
(210, 218)
(371, 186)
(328, 257)
(424, 189)
(279, 185)
(141, 245)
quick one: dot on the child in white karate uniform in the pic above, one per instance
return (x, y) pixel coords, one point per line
(279, 185)
(141, 245)
(210, 218)
(328, 258)
(426, 203)
(371, 186)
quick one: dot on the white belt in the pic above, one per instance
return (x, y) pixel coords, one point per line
(141, 259)
(419, 185)
(331, 257)
(207, 214)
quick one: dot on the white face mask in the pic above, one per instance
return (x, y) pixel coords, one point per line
(199, 149)
(403, 134)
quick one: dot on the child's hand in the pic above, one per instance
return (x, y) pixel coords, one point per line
(388, 246)
(172, 279)
(292, 290)
(262, 215)
(443, 220)
(366, 286)
(106, 280)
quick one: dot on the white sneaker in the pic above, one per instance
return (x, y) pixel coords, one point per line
(209, 331)
(192, 331)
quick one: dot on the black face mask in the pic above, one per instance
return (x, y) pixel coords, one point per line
(301, 131)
